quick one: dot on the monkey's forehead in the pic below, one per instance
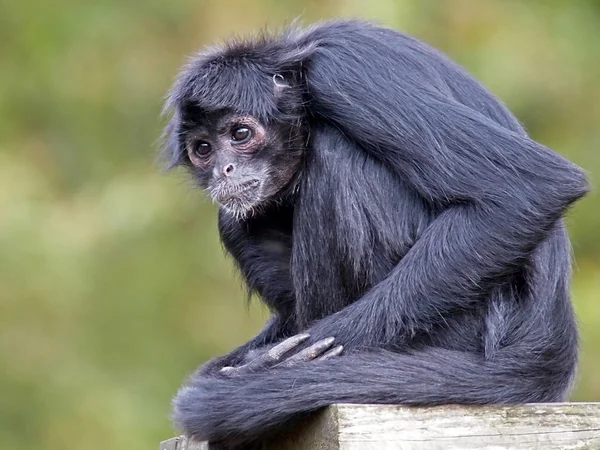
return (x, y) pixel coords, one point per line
(237, 83)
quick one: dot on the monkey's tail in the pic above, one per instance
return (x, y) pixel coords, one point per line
(219, 409)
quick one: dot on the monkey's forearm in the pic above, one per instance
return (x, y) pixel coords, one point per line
(446, 270)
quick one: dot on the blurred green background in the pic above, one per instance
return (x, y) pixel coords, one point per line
(113, 285)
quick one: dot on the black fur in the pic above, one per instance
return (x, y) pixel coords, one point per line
(425, 234)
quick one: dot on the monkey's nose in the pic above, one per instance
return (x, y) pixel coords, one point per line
(228, 169)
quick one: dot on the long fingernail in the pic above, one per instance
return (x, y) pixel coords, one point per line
(329, 341)
(338, 350)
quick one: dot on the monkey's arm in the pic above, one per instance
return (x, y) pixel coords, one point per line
(501, 191)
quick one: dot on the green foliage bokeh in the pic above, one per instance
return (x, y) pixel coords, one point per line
(113, 285)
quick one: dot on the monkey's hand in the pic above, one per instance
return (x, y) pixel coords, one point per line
(281, 355)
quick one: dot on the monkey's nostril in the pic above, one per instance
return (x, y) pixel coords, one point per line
(228, 169)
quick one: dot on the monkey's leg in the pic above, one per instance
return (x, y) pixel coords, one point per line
(249, 407)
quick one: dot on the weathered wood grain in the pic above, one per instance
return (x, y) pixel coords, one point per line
(557, 426)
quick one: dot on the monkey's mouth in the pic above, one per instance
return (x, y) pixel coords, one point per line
(238, 197)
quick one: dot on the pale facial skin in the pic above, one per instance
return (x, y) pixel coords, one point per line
(241, 163)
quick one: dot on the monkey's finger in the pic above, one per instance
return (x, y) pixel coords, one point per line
(335, 351)
(274, 355)
(289, 344)
(312, 352)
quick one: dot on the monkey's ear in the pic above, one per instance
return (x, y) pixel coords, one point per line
(281, 83)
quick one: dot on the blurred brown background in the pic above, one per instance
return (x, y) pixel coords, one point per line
(113, 285)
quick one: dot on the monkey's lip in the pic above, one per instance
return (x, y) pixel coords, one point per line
(233, 193)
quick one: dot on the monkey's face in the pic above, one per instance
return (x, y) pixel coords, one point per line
(242, 163)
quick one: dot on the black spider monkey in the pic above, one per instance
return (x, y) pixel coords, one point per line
(396, 218)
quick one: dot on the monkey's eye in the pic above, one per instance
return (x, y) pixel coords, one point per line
(241, 135)
(201, 148)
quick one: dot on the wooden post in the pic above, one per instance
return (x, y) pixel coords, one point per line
(555, 426)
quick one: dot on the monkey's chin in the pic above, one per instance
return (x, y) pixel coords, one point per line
(240, 208)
